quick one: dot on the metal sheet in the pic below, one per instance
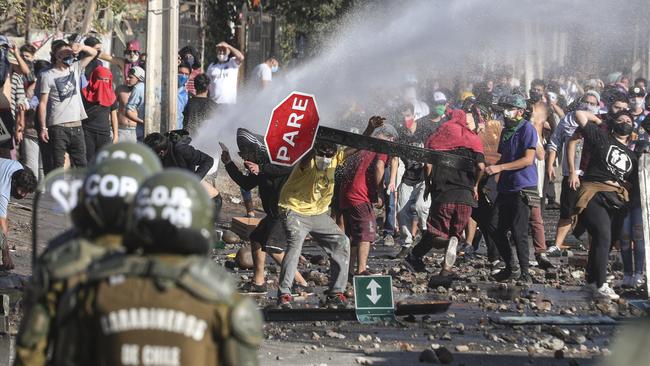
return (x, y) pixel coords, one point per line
(552, 319)
(317, 314)
(394, 149)
(644, 185)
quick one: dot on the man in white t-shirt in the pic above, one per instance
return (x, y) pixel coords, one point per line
(223, 74)
(15, 181)
(61, 108)
(263, 73)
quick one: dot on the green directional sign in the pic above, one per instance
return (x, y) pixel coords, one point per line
(373, 298)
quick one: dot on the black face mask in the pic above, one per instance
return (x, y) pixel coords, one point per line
(534, 96)
(622, 129)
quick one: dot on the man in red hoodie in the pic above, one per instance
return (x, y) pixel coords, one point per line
(454, 192)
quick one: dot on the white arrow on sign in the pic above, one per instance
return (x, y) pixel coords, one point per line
(374, 296)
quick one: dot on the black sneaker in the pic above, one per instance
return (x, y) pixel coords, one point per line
(284, 301)
(252, 288)
(506, 275)
(525, 279)
(543, 262)
(552, 206)
(414, 264)
(403, 253)
(336, 300)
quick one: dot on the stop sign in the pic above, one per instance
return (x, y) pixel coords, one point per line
(292, 129)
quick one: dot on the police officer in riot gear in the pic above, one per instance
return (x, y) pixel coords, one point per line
(100, 220)
(171, 304)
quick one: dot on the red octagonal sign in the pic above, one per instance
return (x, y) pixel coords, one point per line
(292, 129)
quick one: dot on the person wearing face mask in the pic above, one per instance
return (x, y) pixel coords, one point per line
(100, 104)
(636, 96)
(439, 110)
(188, 55)
(303, 206)
(604, 191)
(517, 187)
(15, 181)
(223, 74)
(560, 138)
(454, 192)
(184, 71)
(412, 205)
(263, 73)
(131, 58)
(61, 108)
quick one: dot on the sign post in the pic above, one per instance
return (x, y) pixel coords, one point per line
(373, 298)
(292, 129)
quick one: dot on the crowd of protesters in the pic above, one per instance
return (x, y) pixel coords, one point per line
(66, 108)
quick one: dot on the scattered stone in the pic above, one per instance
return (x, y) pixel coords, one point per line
(364, 338)
(333, 334)
(363, 361)
(446, 337)
(406, 347)
(429, 356)
(444, 355)
(230, 237)
(462, 348)
(315, 336)
(244, 257)
(559, 354)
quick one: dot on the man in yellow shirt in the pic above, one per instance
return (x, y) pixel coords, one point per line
(304, 205)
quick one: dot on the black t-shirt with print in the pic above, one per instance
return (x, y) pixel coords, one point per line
(414, 170)
(610, 160)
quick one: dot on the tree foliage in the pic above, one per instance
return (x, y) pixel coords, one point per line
(60, 15)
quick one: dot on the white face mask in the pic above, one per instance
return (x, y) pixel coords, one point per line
(133, 58)
(222, 57)
(510, 114)
(322, 162)
(594, 109)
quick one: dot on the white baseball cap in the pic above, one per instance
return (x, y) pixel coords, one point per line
(439, 97)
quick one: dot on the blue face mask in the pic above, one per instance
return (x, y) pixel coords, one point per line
(182, 79)
(68, 60)
(274, 68)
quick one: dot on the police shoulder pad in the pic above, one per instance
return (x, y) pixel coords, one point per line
(117, 264)
(205, 279)
(70, 258)
(246, 322)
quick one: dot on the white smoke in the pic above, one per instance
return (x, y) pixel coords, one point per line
(376, 47)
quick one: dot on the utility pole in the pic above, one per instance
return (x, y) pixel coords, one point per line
(161, 85)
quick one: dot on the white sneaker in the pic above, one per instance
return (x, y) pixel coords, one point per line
(606, 292)
(628, 281)
(637, 279)
(450, 255)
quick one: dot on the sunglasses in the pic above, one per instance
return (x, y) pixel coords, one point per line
(131, 52)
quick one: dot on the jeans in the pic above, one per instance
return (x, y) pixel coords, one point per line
(411, 204)
(328, 235)
(389, 202)
(94, 141)
(246, 195)
(70, 140)
(537, 229)
(30, 156)
(597, 218)
(126, 135)
(511, 214)
(632, 231)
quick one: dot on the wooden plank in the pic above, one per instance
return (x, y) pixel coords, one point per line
(243, 226)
